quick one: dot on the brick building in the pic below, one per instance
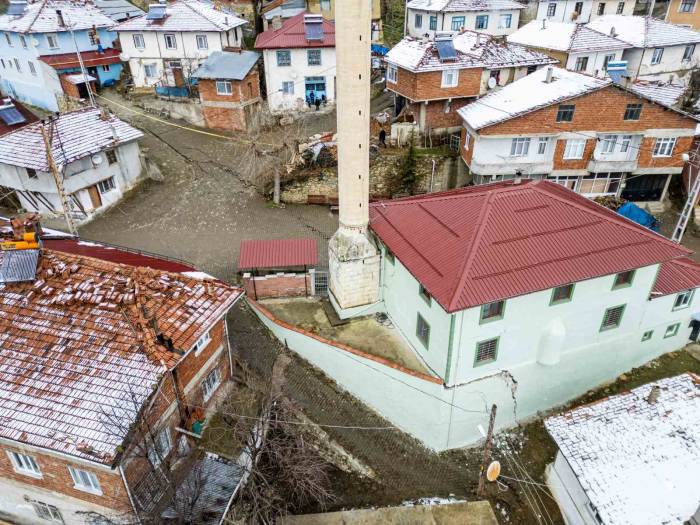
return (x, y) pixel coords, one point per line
(433, 78)
(98, 345)
(229, 89)
(588, 134)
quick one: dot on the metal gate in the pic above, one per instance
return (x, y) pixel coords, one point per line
(321, 282)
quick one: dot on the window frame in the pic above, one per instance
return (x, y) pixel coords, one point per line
(620, 8)
(227, 84)
(619, 286)
(566, 112)
(315, 52)
(687, 57)
(93, 487)
(103, 186)
(202, 38)
(657, 56)
(283, 62)
(154, 450)
(633, 112)
(551, 9)
(425, 295)
(201, 343)
(111, 155)
(662, 145)
(423, 335)
(433, 23)
(542, 143)
(457, 22)
(581, 64)
(491, 318)
(53, 512)
(52, 40)
(18, 461)
(167, 37)
(601, 8)
(8, 40)
(520, 146)
(138, 40)
(646, 336)
(153, 67)
(285, 85)
(607, 143)
(604, 328)
(554, 302)
(482, 362)
(392, 73)
(571, 149)
(207, 385)
(481, 22)
(689, 3)
(672, 330)
(687, 293)
(32, 68)
(452, 73)
(418, 20)
(505, 16)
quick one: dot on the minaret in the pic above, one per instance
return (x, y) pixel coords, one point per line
(353, 256)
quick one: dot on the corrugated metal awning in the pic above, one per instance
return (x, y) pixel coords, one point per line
(279, 253)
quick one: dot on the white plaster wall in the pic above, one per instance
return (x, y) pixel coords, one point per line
(611, 8)
(444, 22)
(496, 152)
(671, 66)
(297, 72)
(565, 11)
(596, 61)
(568, 493)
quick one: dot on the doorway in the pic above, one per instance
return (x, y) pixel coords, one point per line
(315, 88)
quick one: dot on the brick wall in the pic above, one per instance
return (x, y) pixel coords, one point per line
(70, 89)
(428, 85)
(225, 119)
(435, 115)
(278, 285)
(230, 118)
(466, 153)
(560, 163)
(242, 90)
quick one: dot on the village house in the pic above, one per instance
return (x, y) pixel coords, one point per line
(433, 78)
(577, 47)
(96, 154)
(229, 89)
(327, 9)
(110, 362)
(274, 13)
(39, 46)
(683, 13)
(299, 62)
(582, 11)
(165, 46)
(493, 17)
(631, 457)
(659, 50)
(13, 115)
(549, 125)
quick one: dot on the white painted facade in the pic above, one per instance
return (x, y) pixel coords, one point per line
(582, 11)
(37, 192)
(596, 61)
(296, 74)
(574, 503)
(672, 66)
(499, 22)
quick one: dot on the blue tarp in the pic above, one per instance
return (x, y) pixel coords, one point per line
(638, 215)
(168, 91)
(379, 50)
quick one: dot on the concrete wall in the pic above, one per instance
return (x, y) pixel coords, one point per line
(565, 11)
(671, 66)
(596, 61)
(444, 21)
(567, 490)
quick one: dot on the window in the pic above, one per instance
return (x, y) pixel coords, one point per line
(647, 335)
(392, 74)
(687, 6)
(482, 21)
(600, 184)
(284, 58)
(519, 147)
(23, 41)
(606, 60)
(84, 480)
(92, 37)
(578, 8)
(633, 112)
(620, 7)
(581, 64)
(542, 145)
(24, 464)
(138, 41)
(418, 21)
(105, 67)
(47, 512)
(683, 300)
(612, 318)
(672, 330)
(623, 280)
(150, 70)
(424, 294)
(288, 88)
(325, 5)
(656, 55)
(573, 149)
(607, 143)
(562, 294)
(17, 66)
(505, 21)
(52, 40)
(492, 311)
(433, 23)
(170, 41)
(32, 68)
(664, 147)
(210, 383)
(111, 156)
(625, 143)
(313, 57)
(688, 53)
(8, 39)
(31, 173)
(601, 8)
(160, 448)
(565, 113)
(106, 185)
(202, 42)
(450, 78)
(2, 61)
(202, 342)
(457, 23)
(551, 9)
(568, 181)
(224, 87)
(422, 330)
(486, 352)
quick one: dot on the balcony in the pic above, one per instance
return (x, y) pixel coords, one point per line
(516, 166)
(615, 153)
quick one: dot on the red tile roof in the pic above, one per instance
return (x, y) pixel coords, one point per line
(282, 253)
(676, 276)
(487, 243)
(292, 35)
(90, 59)
(28, 115)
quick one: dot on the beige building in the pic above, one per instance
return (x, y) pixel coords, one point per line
(684, 13)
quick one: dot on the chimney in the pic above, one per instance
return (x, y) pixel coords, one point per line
(17, 7)
(550, 75)
(653, 395)
(61, 21)
(544, 23)
(612, 32)
(276, 22)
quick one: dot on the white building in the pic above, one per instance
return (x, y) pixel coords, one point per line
(582, 11)
(660, 50)
(577, 46)
(166, 45)
(97, 156)
(495, 17)
(630, 459)
(299, 62)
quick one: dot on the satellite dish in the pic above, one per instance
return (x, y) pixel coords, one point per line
(493, 471)
(124, 57)
(35, 42)
(96, 160)
(491, 83)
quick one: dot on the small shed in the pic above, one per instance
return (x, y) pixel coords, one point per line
(278, 267)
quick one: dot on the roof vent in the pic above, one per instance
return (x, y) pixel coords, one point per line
(17, 7)
(544, 23)
(653, 395)
(313, 27)
(59, 15)
(550, 75)
(613, 33)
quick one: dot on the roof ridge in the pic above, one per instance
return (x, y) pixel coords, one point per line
(201, 15)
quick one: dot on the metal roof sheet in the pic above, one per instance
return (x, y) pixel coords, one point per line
(645, 31)
(292, 34)
(118, 10)
(228, 65)
(277, 253)
(90, 59)
(41, 17)
(676, 276)
(486, 243)
(186, 15)
(448, 6)
(565, 36)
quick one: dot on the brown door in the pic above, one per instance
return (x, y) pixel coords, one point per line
(95, 197)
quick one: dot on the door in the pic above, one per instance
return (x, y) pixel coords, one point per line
(315, 88)
(95, 197)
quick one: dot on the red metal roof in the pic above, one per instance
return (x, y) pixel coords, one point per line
(676, 276)
(293, 35)
(90, 58)
(281, 253)
(487, 243)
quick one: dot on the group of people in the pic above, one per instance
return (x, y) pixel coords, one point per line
(313, 100)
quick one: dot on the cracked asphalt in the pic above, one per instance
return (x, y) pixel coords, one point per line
(208, 201)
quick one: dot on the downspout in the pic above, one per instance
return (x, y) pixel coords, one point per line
(128, 493)
(228, 345)
(449, 349)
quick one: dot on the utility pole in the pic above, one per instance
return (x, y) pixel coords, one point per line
(59, 182)
(487, 453)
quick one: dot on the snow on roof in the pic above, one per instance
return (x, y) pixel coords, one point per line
(564, 36)
(637, 460)
(481, 244)
(41, 17)
(186, 15)
(644, 31)
(527, 94)
(473, 50)
(79, 341)
(118, 10)
(75, 135)
(292, 35)
(227, 64)
(463, 5)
